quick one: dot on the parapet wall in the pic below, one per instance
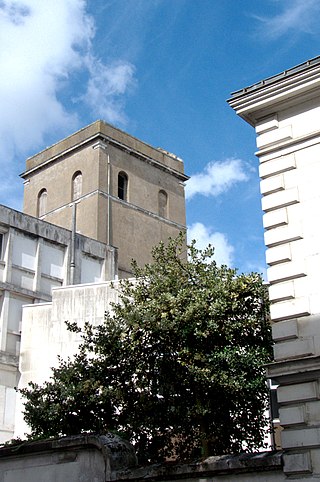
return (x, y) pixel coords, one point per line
(91, 458)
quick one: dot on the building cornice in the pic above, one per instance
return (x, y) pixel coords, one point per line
(97, 132)
(286, 89)
(296, 370)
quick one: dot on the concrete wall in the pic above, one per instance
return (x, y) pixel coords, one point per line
(35, 257)
(99, 459)
(84, 458)
(45, 335)
(262, 467)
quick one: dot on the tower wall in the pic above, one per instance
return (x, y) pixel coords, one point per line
(133, 221)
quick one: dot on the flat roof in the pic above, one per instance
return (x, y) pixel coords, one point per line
(102, 130)
(273, 79)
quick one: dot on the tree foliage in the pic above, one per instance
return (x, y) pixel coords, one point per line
(176, 368)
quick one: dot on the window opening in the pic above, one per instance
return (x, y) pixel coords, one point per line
(163, 203)
(76, 185)
(42, 202)
(122, 186)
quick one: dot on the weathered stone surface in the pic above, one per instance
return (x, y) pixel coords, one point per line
(35, 257)
(77, 458)
(231, 467)
(120, 451)
(297, 463)
(92, 458)
(99, 152)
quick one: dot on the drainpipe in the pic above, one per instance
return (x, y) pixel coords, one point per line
(108, 202)
(73, 243)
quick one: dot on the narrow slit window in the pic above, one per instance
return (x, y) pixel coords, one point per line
(42, 202)
(76, 185)
(163, 204)
(122, 186)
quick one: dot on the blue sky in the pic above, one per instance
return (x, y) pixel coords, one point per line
(161, 70)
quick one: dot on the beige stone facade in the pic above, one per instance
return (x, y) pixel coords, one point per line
(128, 194)
(285, 111)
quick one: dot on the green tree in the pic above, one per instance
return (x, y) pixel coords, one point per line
(176, 368)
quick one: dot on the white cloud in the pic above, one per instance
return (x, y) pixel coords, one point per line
(44, 45)
(106, 87)
(216, 178)
(296, 16)
(10, 185)
(204, 235)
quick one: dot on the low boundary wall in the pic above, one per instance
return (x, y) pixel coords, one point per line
(91, 458)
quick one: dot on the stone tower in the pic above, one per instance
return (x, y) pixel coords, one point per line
(113, 187)
(285, 112)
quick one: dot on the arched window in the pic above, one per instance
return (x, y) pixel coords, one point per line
(76, 185)
(163, 203)
(122, 186)
(42, 202)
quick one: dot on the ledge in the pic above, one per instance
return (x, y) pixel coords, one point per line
(294, 370)
(116, 451)
(212, 466)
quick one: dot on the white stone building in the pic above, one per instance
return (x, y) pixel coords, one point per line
(285, 112)
(45, 334)
(35, 256)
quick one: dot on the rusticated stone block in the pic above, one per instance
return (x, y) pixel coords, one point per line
(297, 463)
(292, 415)
(303, 437)
(281, 291)
(275, 166)
(276, 218)
(272, 184)
(293, 349)
(298, 392)
(275, 136)
(285, 330)
(280, 199)
(281, 235)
